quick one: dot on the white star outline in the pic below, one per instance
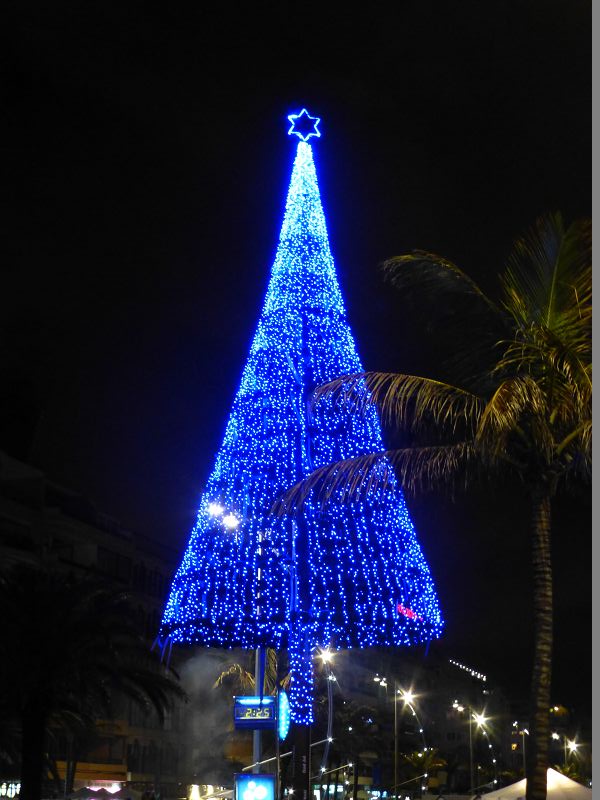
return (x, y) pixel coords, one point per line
(293, 118)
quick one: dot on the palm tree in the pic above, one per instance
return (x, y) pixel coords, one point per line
(519, 404)
(570, 770)
(421, 763)
(238, 677)
(69, 650)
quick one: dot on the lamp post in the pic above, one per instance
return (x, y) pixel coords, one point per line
(396, 692)
(383, 682)
(408, 698)
(524, 732)
(326, 657)
(480, 719)
(568, 744)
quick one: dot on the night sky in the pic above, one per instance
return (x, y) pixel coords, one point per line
(147, 164)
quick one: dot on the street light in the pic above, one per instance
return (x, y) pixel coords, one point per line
(480, 719)
(523, 733)
(326, 656)
(408, 698)
(572, 745)
(568, 744)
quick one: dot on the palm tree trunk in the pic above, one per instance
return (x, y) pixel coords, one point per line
(539, 722)
(32, 752)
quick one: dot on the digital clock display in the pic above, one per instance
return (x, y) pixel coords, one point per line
(254, 712)
(248, 712)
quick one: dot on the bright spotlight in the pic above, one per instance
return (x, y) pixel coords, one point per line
(231, 522)
(215, 509)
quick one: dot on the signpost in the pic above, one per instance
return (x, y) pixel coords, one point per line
(261, 713)
(254, 787)
(255, 713)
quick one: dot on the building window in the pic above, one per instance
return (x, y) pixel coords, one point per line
(114, 564)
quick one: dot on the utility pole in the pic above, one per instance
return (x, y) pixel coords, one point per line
(259, 681)
(395, 740)
(301, 749)
(259, 663)
(471, 748)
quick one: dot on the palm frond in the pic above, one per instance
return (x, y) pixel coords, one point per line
(414, 468)
(434, 276)
(448, 302)
(548, 280)
(236, 675)
(516, 409)
(405, 400)
(583, 433)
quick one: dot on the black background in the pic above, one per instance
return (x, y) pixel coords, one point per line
(147, 164)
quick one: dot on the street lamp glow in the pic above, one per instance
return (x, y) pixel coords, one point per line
(572, 746)
(555, 735)
(479, 719)
(408, 697)
(326, 656)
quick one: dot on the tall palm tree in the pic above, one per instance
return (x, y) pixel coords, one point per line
(519, 404)
(69, 650)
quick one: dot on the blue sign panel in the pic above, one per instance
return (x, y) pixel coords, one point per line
(254, 787)
(254, 713)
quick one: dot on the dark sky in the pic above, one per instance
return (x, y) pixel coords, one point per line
(147, 163)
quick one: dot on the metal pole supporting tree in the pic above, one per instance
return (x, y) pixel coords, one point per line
(395, 739)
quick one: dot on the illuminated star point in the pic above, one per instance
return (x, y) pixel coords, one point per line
(303, 125)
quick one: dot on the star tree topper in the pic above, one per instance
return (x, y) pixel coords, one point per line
(303, 125)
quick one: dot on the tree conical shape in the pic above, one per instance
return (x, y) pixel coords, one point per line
(349, 575)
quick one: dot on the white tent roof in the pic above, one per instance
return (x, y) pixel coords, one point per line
(559, 788)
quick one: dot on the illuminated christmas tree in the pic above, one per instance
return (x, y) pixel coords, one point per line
(347, 575)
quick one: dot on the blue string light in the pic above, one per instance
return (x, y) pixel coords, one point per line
(304, 126)
(352, 575)
(283, 715)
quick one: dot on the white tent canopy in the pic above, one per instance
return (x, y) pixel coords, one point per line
(559, 788)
